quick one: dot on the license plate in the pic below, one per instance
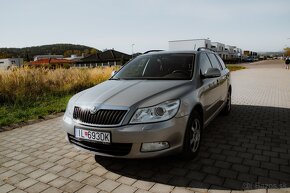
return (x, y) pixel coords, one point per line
(97, 136)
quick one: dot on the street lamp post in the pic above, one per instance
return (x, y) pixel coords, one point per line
(133, 49)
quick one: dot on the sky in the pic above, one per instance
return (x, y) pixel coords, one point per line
(141, 25)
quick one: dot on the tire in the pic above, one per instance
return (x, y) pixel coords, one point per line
(192, 137)
(228, 107)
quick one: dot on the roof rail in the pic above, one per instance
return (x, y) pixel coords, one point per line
(152, 51)
(204, 48)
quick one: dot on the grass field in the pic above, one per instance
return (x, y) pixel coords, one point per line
(233, 67)
(28, 93)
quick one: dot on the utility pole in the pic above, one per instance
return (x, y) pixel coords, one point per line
(132, 49)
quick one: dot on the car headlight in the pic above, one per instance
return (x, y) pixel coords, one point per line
(160, 112)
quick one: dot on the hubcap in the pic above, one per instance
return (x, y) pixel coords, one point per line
(195, 135)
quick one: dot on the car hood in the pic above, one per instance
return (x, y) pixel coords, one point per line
(127, 93)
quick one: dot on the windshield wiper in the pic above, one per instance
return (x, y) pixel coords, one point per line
(116, 79)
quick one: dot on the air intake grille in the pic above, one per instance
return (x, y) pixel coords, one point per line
(101, 117)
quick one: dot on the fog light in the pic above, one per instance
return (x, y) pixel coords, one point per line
(154, 146)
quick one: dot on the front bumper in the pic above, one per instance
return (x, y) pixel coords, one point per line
(127, 140)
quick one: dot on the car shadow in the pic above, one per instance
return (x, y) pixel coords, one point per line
(249, 149)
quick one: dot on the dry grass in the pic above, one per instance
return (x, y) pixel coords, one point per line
(27, 85)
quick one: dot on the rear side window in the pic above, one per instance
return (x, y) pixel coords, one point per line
(214, 61)
(204, 63)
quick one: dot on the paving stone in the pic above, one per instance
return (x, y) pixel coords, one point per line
(27, 170)
(124, 189)
(67, 172)
(240, 168)
(59, 182)
(86, 167)
(88, 189)
(215, 180)
(6, 188)
(108, 185)
(10, 163)
(210, 170)
(279, 175)
(99, 171)
(72, 186)
(93, 180)
(178, 171)
(181, 190)
(142, 191)
(80, 176)
(3, 169)
(163, 178)
(126, 180)
(52, 189)
(233, 184)
(15, 179)
(180, 181)
(36, 174)
(16, 191)
(234, 160)
(143, 184)
(162, 188)
(247, 177)
(7, 174)
(39, 187)
(111, 175)
(279, 161)
(46, 165)
(26, 183)
(64, 161)
(57, 168)
(47, 177)
(228, 173)
(196, 175)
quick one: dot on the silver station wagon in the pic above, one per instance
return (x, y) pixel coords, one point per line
(157, 104)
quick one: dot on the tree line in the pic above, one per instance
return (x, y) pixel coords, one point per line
(28, 53)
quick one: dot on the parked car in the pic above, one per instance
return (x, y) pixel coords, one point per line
(158, 104)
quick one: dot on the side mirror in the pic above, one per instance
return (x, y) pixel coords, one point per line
(212, 73)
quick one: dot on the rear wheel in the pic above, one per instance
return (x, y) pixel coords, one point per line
(192, 137)
(228, 107)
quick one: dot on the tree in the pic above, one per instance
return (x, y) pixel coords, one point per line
(287, 51)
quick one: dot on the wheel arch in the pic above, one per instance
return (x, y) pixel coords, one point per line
(198, 108)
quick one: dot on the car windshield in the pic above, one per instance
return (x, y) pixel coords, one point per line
(158, 67)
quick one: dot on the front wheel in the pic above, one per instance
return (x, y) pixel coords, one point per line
(192, 137)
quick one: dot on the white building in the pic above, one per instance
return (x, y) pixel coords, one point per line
(220, 49)
(192, 44)
(38, 57)
(9, 63)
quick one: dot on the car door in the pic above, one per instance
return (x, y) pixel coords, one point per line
(221, 81)
(209, 93)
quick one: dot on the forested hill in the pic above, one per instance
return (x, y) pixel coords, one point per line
(60, 49)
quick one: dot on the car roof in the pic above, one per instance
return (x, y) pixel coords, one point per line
(156, 52)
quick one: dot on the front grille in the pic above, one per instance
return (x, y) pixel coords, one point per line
(101, 117)
(117, 149)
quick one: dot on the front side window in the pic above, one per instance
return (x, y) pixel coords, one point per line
(204, 63)
(214, 61)
(158, 67)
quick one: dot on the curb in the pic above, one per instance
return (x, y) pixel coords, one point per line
(30, 122)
